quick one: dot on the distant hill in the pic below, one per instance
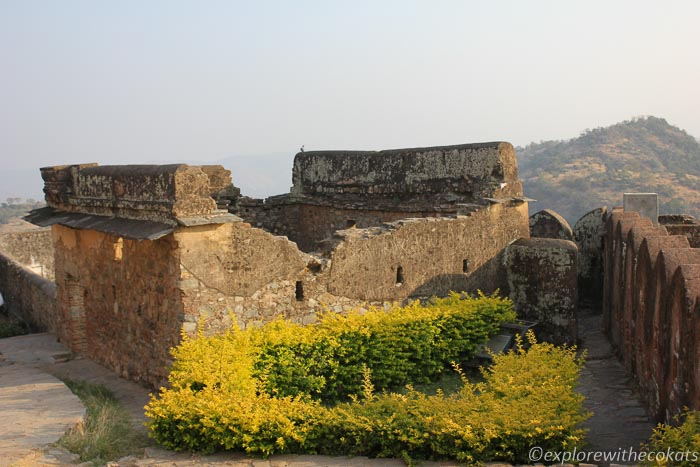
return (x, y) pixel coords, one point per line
(640, 155)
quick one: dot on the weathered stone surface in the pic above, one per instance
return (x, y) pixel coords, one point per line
(588, 235)
(32, 249)
(378, 227)
(683, 225)
(543, 282)
(160, 193)
(122, 310)
(28, 296)
(435, 255)
(548, 224)
(476, 170)
(682, 378)
(630, 303)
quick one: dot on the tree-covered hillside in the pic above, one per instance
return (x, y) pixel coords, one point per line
(640, 155)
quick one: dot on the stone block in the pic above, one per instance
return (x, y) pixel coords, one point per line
(476, 169)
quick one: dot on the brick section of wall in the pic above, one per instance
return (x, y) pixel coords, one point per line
(28, 296)
(131, 311)
(652, 290)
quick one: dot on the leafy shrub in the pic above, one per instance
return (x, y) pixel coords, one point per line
(226, 392)
(681, 439)
(414, 343)
(406, 344)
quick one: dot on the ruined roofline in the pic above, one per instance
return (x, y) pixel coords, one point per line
(467, 171)
(350, 152)
(168, 195)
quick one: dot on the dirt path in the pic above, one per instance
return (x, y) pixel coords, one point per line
(35, 408)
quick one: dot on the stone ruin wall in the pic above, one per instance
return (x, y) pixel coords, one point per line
(159, 193)
(651, 306)
(33, 249)
(473, 170)
(335, 190)
(26, 278)
(122, 299)
(309, 224)
(258, 276)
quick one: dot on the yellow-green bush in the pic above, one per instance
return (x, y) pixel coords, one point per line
(682, 442)
(406, 344)
(222, 397)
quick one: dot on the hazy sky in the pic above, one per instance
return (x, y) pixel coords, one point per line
(148, 81)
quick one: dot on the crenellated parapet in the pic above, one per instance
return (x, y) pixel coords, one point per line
(650, 308)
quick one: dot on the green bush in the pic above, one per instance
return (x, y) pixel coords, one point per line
(412, 344)
(223, 397)
(677, 440)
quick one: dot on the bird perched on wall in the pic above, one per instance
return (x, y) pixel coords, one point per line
(301, 149)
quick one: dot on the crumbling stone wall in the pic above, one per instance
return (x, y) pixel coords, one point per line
(309, 224)
(652, 291)
(266, 276)
(32, 249)
(142, 251)
(26, 278)
(28, 296)
(434, 256)
(335, 190)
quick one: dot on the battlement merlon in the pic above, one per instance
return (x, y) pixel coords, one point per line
(159, 193)
(473, 171)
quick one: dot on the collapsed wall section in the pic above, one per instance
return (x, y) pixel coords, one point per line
(423, 257)
(336, 190)
(238, 272)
